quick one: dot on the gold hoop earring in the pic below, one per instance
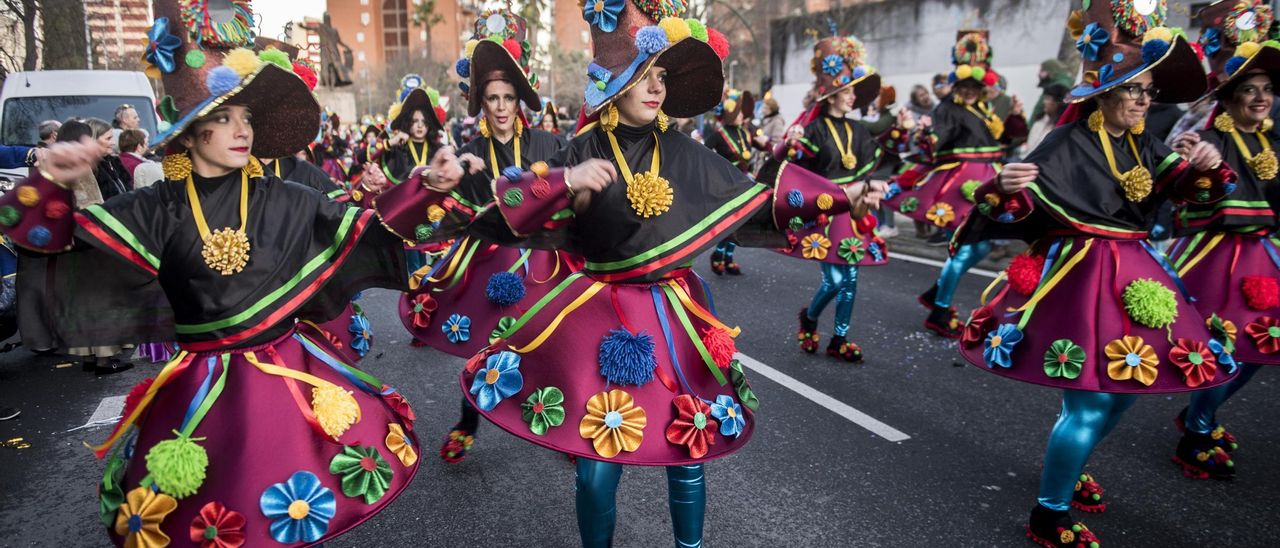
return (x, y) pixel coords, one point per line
(609, 118)
(1141, 127)
(1224, 122)
(1095, 121)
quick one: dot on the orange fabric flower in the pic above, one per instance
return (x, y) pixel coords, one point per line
(613, 423)
(1131, 358)
(815, 246)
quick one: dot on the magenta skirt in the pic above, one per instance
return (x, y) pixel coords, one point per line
(944, 195)
(1234, 276)
(1093, 314)
(280, 443)
(837, 240)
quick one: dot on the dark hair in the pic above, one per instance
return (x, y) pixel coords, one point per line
(72, 130)
(1057, 91)
(1228, 91)
(939, 79)
(130, 139)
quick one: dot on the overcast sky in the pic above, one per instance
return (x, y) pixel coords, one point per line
(275, 13)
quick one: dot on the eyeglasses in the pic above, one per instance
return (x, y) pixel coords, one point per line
(1135, 91)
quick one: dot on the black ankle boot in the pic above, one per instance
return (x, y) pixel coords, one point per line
(808, 334)
(1056, 529)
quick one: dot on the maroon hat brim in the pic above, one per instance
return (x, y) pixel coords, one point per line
(695, 79)
(1266, 61)
(490, 57)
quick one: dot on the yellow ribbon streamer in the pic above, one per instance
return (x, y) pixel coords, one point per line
(542, 337)
(454, 260)
(702, 313)
(1062, 273)
(163, 378)
(1204, 251)
(982, 301)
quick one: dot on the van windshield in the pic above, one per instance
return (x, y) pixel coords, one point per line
(22, 115)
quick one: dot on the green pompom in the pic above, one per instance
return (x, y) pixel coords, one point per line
(177, 466)
(979, 73)
(194, 58)
(434, 96)
(697, 30)
(277, 58)
(968, 188)
(1150, 303)
(1271, 44)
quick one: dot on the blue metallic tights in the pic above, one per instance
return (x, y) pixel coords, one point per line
(725, 248)
(841, 283)
(597, 489)
(966, 256)
(1205, 403)
(1086, 418)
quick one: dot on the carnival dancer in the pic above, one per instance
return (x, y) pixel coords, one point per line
(1227, 253)
(732, 140)
(548, 120)
(330, 151)
(254, 433)
(1092, 308)
(961, 145)
(843, 151)
(479, 287)
(630, 341)
(417, 121)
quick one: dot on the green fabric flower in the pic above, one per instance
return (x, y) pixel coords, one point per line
(742, 386)
(909, 205)
(851, 250)
(544, 409)
(796, 223)
(422, 233)
(1064, 359)
(984, 208)
(1150, 303)
(968, 189)
(504, 324)
(110, 495)
(513, 197)
(363, 471)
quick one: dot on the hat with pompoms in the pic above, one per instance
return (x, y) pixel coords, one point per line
(971, 57)
(548, 109)
(1122, 39)
(498, 50)
(414, 95)
(839, 62)
(735, 101)
(628, 37)
(204, 53)
(1235, 40)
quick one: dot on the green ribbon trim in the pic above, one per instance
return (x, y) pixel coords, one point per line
(1187, 252)
(472, 205)
(1169, 160)
(541, 304)
(314, 348)
(524, 257)
(123, 233)
(693, 334)
(462, 268)
(689, 234)
(209, 398)
(314, 264)
(1035, 188)
(1247, 204)
(333, 194)
(808, 144)
(562, 214)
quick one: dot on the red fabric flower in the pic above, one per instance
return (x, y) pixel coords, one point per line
(1261, 292)
(400, 406)
(441, 114)
(1024, 273)
(908, 179)
(540, 188)
(975, 330)
(718, 42)
(422, 306)
(1195, 360)
(217, 527)
(135, 396)
(307, 75)
(720, 345)
(56, 209)
(693, 427)
(1265, 333)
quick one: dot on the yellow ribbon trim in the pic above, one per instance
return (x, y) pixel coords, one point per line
(415, 279)
(654, 164)
(554, 273)
(161, 379)
(701, 313)
(1204, 251)
(1244, 150)
(1062, 273)
(982, 301)
(493, 156)
(418, 160)
(278, 371)
(1111, 157)
(845, 151)
(454, 261)
(542, 337)
(198, 212)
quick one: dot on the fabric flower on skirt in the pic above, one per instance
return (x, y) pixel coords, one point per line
(1064, 359)
(423, 307)
(941, 213)
(110, 493)
(851, 250)
(361, 334)
(363, 471)
(457, 328)
(815, 246)
(1225, 359)
(1000, 343)
(138, 519)
(1195, 360)
(691, 427)
(299, 509)
(400, 446)
(1131, 358)
(396, 401)
(729, 413)
(217, 527)
(1265, 333)
(742, 386)
(499, 379)
(543, 410)
(613, 423)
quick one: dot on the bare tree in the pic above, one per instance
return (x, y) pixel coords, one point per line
(425, 16)
(22, 28)
(66, 41)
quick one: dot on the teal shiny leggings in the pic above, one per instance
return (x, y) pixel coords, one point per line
(966, 256)
(597, 489)
(839, 281)
(726, 247)
(1086, 418)
(1205, 403)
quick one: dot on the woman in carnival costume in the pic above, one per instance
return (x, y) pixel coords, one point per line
(625, 362)
(254, 433)
(843, 151)
(1227, 254)
(1092, 308)
(480, 286)
(548, 120)
(961, 144)
(731, 139)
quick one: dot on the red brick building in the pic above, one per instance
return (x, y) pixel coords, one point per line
(117, 32)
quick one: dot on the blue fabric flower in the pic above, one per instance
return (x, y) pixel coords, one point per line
(877, 254)
(999, 345)
(1091, 40)
(795, 198)
(299, 509)
(162, 45)
(1224, 358)
(499, 379)
(729, 414)
(894, 190)
(1106, 73)
(1211, 41)
(512, 173)
(603, 13)
(361, 334)
(457, 328)
(832, 64)
(39, 236)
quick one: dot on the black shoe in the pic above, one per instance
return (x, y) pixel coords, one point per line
(926, 299)
(111, 367)
(732, 268)
(717, 262)
(841, 348)
(1201, 457)
(944, 322)
(1055, 529)
(939, 239)
(808, 334)
(88, 366)
(1224, 438)
(8, 413)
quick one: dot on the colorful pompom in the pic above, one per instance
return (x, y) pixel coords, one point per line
(513, 47)
(1261, 292)
(718, 42)
(1157, 33)
(963, 72)
(1024, 273)
(177, 466)
(470, 47)
(463, 68)
(194, 58)
(977, 73)
(1150, 303)
(277, 58)
(1248, 49)
(990, 78)
(336, 409)
(306, 74)
(697, 30)
(512, 173)
(675, 28)
(626, 358)
(221, 80)
(795, 198)
(1153, 50)
(720, 345)
(1233, 64)
(242, 60)
(504, 289)
(39, 236)
(651, 40)
(135, 396)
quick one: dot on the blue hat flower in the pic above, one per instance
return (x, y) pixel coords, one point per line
(1091, 40)
(603, 13)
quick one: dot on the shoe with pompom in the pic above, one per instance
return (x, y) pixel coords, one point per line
(843, 349)
(1201, 458)
(717, 263)
(1087, 496)
(1055, 529)
(456, 445)
(1224, 438)
(808, 334)
(944, 322)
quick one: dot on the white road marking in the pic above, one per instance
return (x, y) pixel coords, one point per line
(931, 262)
(835, 406)
(107, 413)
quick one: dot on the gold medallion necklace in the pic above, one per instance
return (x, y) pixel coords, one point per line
(225, 250)
(650, 194)
(1136, 182)
(1262, 164)
(847, 159)
(994, 124)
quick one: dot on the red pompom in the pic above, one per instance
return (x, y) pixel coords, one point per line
(1261, 292)
(718, 42)
(1198, 49)
(441, 115)
(908, 179)
(135, 396)
(1024, 273)
(822, 219)
(991, 78)
(867, 223)
(513, 47)
(307, 75)
(720, 345)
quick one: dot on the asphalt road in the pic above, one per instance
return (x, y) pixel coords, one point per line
(966, 476)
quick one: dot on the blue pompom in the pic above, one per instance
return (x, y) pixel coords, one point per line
(626, 358)
(795, 198)
(1005, 217)
(465, 87)
(651, 40)
(512, 173)
(860, 71)
(1153, 50)
(894, 190)
(221, 80)
(1233, 64)
(463, 68)
(39, 236)
(1228, 188)
(504, 289)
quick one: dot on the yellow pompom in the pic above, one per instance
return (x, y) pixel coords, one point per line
(730, 105)
(540, 169)
(677, 29)
(394, 111)
(825, 201)
(1158, 33)
(336, 409)
(243, 61)
(963, 71)
(471, 47)
(435, 213)
(1248, 49)
(28, 196)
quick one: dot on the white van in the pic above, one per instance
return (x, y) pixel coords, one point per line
(29, 98)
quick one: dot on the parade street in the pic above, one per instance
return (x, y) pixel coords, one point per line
(907, 449)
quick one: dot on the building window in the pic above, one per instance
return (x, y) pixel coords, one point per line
(395, 30)
(360, 56)
(359, 37)
(364, 19)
